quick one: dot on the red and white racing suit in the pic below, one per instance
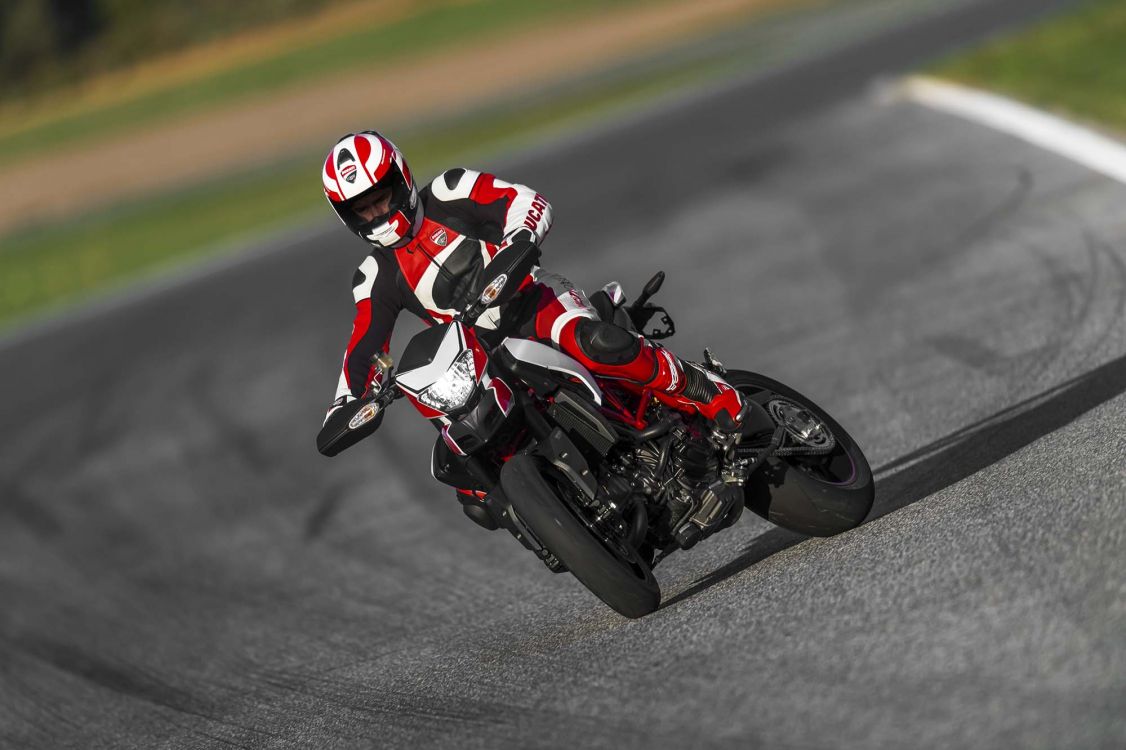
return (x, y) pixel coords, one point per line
(468, 217)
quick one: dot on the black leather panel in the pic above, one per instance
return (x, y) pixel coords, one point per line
(460, 274)
(452, 177)
(466, 216)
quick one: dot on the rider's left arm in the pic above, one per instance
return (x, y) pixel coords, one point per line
(527, 214)
(498, 212)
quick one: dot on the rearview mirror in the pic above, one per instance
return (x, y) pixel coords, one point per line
(502, 277)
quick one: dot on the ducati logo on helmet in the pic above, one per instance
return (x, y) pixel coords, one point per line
(346, 165)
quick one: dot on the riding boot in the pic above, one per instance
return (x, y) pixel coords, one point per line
(686, 386)
(612, 352)
(682, 386)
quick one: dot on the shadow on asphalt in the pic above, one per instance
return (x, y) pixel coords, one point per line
(946, 461)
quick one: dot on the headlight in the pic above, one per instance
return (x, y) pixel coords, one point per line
(453, 389)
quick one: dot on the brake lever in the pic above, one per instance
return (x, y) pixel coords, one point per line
(471, 312)
(389, 394)
(384, 390)
(388, 391)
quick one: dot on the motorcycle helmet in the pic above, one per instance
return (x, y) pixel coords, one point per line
(368, 184)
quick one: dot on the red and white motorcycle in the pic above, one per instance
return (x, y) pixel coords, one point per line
(598, 481)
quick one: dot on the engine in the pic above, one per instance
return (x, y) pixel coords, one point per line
(672, 470)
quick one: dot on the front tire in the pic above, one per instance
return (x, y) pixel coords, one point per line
(616, 574)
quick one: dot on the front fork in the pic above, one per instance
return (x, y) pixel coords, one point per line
(494, 510)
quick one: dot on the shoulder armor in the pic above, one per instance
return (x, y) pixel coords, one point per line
(454, 184)
(364, 278)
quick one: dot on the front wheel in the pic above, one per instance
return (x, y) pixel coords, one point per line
(613, 572)
(823, 488)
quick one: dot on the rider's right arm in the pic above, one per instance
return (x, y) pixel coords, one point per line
(378, 302)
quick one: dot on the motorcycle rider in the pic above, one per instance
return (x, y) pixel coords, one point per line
(429, 247)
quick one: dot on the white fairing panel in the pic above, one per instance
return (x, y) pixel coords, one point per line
(533, 352)
(421, 378)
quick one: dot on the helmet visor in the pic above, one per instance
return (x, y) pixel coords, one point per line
(377, 204)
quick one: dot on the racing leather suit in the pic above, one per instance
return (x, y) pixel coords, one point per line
(468, 217)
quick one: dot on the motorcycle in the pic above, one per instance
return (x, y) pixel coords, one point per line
(594, 479)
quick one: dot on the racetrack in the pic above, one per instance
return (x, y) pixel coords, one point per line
(179, 568)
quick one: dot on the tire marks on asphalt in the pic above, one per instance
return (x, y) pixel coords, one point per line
(944, 462)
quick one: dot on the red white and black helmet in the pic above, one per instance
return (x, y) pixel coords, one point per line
(361, 163)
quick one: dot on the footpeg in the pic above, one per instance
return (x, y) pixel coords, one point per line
(713, 363)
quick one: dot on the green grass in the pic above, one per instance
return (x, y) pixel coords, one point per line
(1074, 63)
(46, 44)
(428, 30)
(65, 262)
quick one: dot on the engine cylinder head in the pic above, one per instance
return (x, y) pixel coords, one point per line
(695, 459)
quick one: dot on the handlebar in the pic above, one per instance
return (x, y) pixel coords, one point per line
(387, 391)
(387, 394)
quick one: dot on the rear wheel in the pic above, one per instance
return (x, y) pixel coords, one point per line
(825, 488)
(610, 568)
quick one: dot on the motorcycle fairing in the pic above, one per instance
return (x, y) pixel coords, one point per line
(427, 358)
(543, 356)
(501, 392)
(476, 428)
(449, 468)
(428, 354)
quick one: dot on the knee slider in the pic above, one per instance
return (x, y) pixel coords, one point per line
(606, 343)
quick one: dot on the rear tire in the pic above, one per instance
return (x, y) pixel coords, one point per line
(617, 576)
(796, 493)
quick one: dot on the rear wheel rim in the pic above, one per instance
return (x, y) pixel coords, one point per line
(808, 426)
(802, 425)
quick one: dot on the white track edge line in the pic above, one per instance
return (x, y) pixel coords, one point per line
(1093, 150)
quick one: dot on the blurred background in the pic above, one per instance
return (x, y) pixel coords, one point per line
(838, 204)
(146, 128)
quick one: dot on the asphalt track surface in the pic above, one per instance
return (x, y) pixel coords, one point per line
(179, 568)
